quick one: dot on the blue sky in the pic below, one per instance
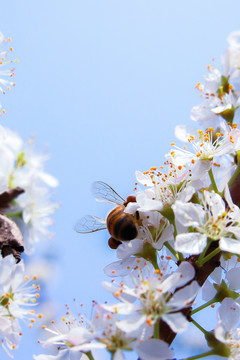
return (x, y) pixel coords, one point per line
(103, 83)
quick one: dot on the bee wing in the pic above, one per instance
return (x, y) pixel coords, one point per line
(104, 192)
(89, 223)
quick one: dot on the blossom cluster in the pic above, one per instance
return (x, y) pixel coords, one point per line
(22, 169)
(25, 214)
(177, 239)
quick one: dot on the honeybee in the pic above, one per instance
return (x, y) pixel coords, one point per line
(121, 226)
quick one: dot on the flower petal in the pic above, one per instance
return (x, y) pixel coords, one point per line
(190, 243)
(177, 321)
(154, 349)
(230, 245)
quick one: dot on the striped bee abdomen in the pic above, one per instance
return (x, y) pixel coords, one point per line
(121, 225)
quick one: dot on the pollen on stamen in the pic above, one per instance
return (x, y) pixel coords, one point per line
(149, 322)
(191, 138)
(168, 257)
(199, 87)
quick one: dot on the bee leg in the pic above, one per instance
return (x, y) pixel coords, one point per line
(113, 243)
(16, 252)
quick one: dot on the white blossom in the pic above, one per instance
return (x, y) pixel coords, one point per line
(154, 300)
(210, 220)
(22, 168)
(18, 296)
(226, 330)
(208, 148)
(163, 188)
(36, 209)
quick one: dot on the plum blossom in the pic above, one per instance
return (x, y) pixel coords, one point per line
(18, 296)
(221, 89)
(231, 57)
(156, 299)
(80, 336)
(226, 330)
(10, 146)
(204, 115)
(36, 210)
(16, 289)
(23, 168)
(207, 148)
(228, 274)
(116, 341)
(67, 341)
(210, 220)
(163, 188)
(67, 336)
